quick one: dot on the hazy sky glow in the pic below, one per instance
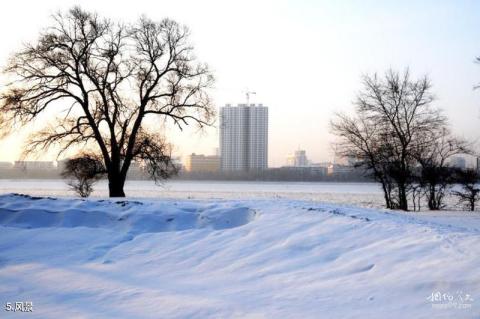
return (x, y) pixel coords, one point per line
(303, 58)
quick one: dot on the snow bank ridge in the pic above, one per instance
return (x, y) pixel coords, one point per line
(134, 217)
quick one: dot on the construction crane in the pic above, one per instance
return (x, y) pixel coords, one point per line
(248, 93)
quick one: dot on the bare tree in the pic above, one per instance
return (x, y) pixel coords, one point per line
(432, 151)
(82, 172)
(103, 80)
(470, 193)
(360, 139)
(392, 113)
(417, 193)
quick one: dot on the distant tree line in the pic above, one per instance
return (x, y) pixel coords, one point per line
(280, 174)
(404, 143)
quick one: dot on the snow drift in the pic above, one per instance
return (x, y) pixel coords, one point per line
(234, 259)
(133, 217)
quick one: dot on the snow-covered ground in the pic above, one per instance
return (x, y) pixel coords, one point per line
(257, 258)
(359, 194)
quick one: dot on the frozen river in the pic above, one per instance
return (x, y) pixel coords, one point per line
(361, 194)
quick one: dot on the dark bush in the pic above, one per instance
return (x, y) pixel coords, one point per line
(470, 189)
(83, 171)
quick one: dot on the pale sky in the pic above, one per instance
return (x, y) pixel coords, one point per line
(303, 58)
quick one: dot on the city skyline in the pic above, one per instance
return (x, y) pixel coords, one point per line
(304, 60)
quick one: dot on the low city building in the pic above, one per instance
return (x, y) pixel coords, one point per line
(335, 169)
(6, 165)
(202, 163)
(34, 165)
(298, 159)
(458, 162)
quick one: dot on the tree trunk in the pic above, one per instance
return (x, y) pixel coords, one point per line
(402, 198)
(433, 201)
(386, 195)
(115, 185)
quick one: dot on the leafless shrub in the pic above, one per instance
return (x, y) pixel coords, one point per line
(82, 172)
(470, 193)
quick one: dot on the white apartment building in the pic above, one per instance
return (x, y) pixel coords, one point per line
(244, 137)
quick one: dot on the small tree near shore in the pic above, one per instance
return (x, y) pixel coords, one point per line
(393, 114)
(83, 171)
(470, 193)
(433, 152)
